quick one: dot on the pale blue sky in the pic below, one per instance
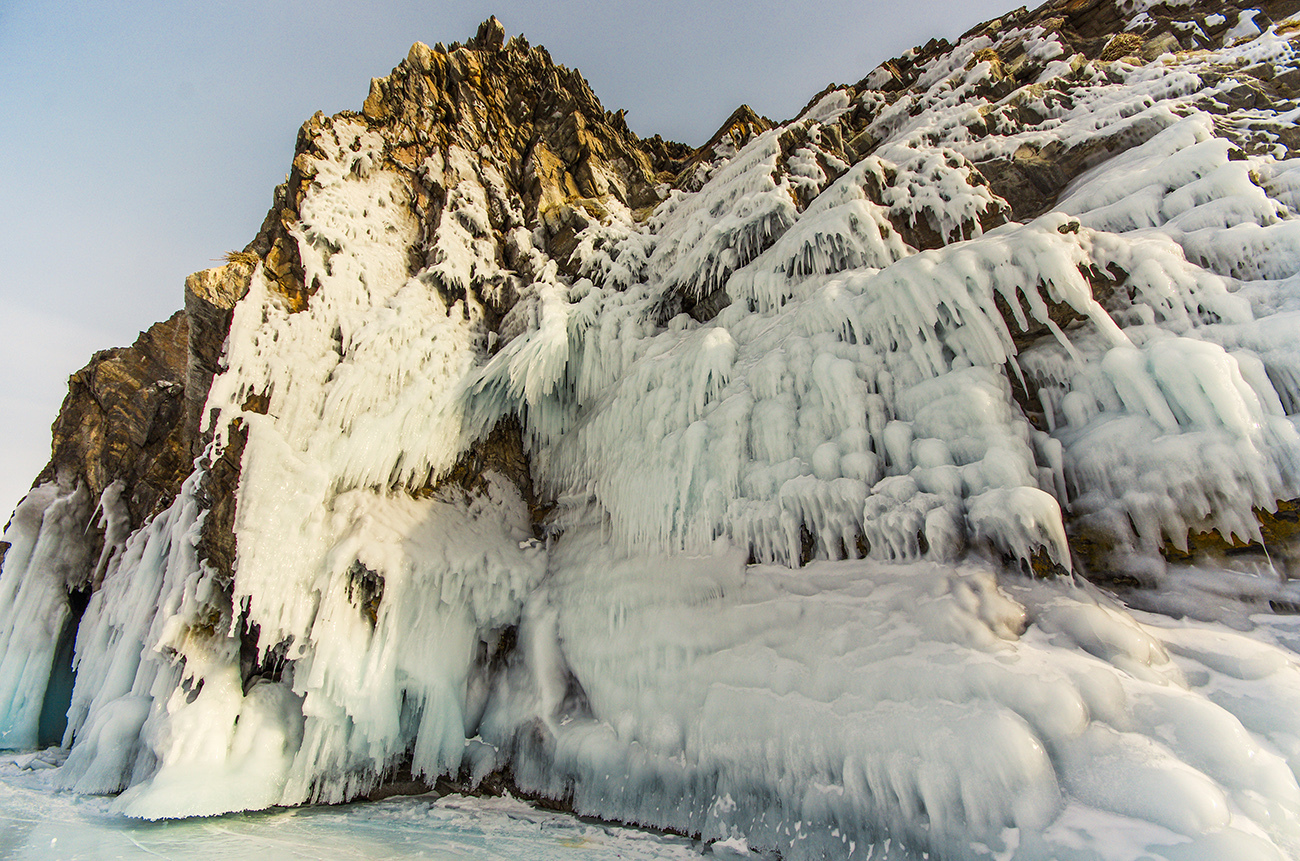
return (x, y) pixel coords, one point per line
(141, 140)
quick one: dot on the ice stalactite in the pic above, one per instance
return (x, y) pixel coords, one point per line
(367, 605)
(786, 449)
(159, 616)
(46, 559)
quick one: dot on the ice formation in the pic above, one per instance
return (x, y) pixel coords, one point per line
(806, 431)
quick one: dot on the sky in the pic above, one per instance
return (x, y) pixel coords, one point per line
(141, 141)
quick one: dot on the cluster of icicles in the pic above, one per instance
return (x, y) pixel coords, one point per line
(773, 602)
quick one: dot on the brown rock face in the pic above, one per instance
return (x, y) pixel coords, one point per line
(1033, 178)
(738, 130)
(122, 420)
(1279, 532)
(540, 121)
(210, 296)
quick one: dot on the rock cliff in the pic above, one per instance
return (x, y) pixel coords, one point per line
(500, 393)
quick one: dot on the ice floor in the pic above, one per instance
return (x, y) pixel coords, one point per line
(39, 822)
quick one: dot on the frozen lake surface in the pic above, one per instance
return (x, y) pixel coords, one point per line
(38, 822)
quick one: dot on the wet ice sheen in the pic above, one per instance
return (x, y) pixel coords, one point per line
(37, 823)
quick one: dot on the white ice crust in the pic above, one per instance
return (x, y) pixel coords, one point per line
(777, 603)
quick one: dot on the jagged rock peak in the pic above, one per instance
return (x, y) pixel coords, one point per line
(491, 35)
(510, 97)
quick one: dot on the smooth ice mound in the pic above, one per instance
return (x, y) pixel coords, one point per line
(850, 701)
(797, 441)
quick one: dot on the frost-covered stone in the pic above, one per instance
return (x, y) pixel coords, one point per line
(706, 489)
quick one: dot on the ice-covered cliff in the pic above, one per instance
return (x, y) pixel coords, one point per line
(915, 476)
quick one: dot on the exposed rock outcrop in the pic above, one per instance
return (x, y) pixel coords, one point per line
(123, 421)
